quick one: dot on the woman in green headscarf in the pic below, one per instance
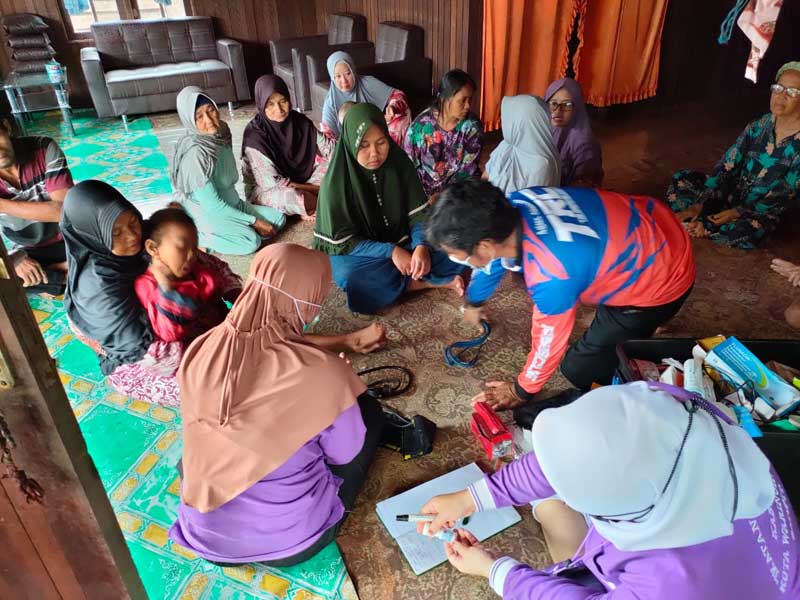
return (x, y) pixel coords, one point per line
(369, 218)
(203, 176)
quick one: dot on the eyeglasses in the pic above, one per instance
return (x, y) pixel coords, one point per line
(777, 88)
(566, 106)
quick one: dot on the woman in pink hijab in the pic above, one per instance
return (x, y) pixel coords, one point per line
(278, 434)
(581, 158)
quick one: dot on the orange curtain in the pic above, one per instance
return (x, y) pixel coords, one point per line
(620, 50)
(524, 49)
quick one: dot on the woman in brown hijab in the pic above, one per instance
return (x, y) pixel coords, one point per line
(278, 433)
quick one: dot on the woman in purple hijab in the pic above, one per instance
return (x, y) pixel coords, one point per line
(581, 158)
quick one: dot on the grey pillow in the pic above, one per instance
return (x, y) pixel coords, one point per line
(41, 40)
(28, 67)
(33, 53)
(23, 23)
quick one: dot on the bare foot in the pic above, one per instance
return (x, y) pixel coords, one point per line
(458, 285)
(368, 339)
(788, 270)
(782, 267)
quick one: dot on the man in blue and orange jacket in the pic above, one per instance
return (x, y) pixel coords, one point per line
(627, 255)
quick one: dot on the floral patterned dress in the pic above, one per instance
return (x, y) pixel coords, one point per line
(442, 157)
(756, 177)
(265, 186)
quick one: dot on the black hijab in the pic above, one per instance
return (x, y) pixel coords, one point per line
(292, 144)
(100, 299)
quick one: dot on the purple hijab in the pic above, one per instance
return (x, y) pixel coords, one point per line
(581, 159)
(291, 144)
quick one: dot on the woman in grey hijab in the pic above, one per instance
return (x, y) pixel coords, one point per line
(203, 176)
(527, 156)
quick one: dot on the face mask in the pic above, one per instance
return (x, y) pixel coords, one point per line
(312, 324)
(486, 269)
(509, 264)
(297, 302)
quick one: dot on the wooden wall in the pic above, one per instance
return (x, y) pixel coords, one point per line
(255, 22)
(68, 51)
(453, 28)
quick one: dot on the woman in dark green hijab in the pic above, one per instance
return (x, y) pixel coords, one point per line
(369, 218)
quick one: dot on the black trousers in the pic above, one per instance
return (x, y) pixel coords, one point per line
(593, 358)
(353, 475)
(46, 256)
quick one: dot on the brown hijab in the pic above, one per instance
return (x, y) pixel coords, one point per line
(253, 389)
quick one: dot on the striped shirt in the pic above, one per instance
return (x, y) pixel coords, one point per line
(42, 170)
(191, 307)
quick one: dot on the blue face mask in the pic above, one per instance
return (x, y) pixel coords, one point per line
(309, 326)
(486, 269)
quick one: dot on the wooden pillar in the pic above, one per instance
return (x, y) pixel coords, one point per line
(69, 545)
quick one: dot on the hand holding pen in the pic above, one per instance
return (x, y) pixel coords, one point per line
(445, 511)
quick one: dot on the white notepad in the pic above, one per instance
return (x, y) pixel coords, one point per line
(424, 553)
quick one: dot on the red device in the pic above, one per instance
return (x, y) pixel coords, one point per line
(490, 431)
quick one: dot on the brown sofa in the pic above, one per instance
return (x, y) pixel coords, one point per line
(288, 54)
(139, 66)
(403, 67)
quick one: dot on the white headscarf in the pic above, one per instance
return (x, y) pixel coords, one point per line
(527, 156)
(611, 452)
(365, 89)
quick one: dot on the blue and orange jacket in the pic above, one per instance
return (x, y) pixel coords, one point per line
(590, 247)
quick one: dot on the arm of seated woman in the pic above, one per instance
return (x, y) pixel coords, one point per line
(305, 187)
(342, 441)
(214, 207)
(265, 174)
(325, 144)
(472, 146)
(329, 133)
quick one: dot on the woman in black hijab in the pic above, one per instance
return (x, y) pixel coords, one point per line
(283, 155)
(103, 236)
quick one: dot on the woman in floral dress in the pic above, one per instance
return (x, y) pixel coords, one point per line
(445, 141)
(750, 189)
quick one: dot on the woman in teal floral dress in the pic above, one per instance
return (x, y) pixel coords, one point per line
(749, 190)
(444, 142)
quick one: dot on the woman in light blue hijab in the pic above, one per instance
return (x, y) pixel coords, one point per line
(348, 86)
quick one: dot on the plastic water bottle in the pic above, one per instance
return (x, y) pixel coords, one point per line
(55, 72)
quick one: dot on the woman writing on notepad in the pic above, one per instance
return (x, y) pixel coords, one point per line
(662, 499)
